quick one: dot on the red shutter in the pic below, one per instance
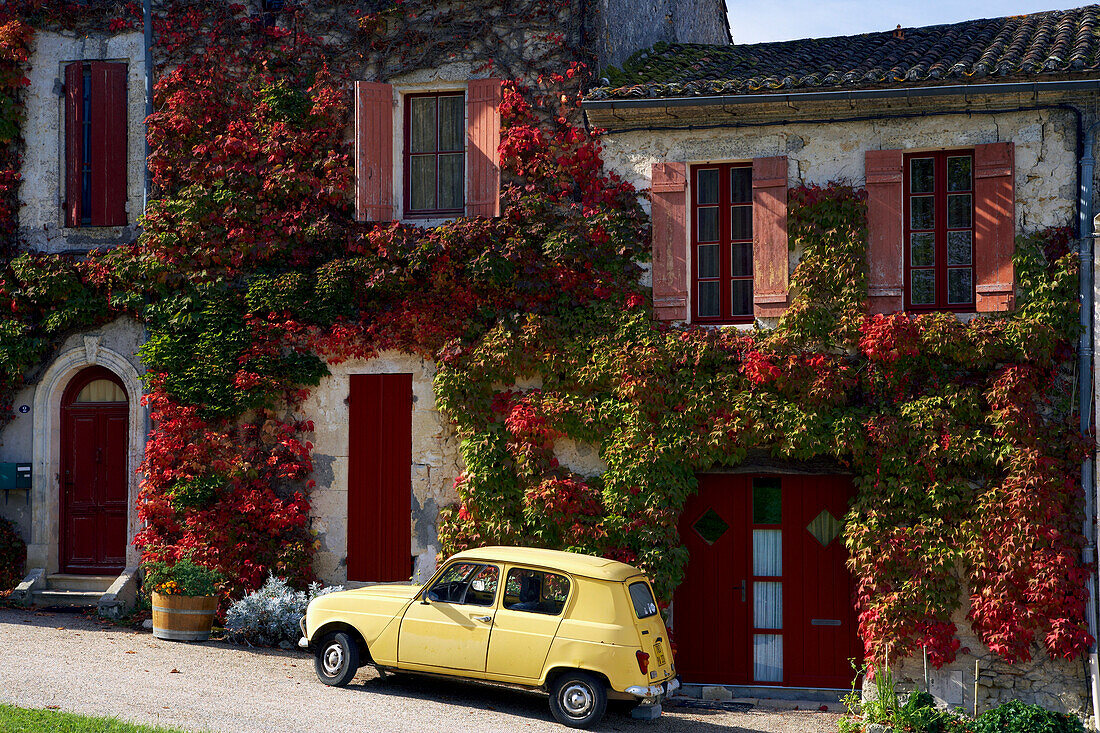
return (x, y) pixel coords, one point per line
(373, 151)
(483, 139)
(885, 231)
(770, 263)
(108, 144)
(994, 226)
(668, 214)
(74, 141)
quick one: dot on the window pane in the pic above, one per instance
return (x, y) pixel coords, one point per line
(708, 300)
(921, 175)
(958, 211)
(922, 249)
(766, 501)
(710, 526)
(767, 653)
(422, 183)
(535, 592)
(958, 173)
(101, 390)
(708, 224)
(642, 598)
(451, 585)
(742, 297)
(741, 185)
(482, 590)
(741, 222)
(767, 552)
(741, 261)
(922, 212)
(767, 605)
(708, 187)
(708, 260)
(422, 110)
(958, 248)
(450, 181)
(922, 287)
(960, 289)
(451, 123)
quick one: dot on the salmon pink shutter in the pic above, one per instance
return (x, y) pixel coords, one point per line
(994, 226)
(482, 141)
(883, 170)
(770, 268)
(373, 151)
(108, 144)
(74, 141)
(668, 215)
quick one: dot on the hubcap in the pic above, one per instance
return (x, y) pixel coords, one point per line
(576, 699)
(333, 659)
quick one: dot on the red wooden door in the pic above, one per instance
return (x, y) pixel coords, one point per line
(94, 437)
(379, 477)
(766, 599)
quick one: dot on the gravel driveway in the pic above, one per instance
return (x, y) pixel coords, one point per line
(82, 665)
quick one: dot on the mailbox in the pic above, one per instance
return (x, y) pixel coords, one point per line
(15, 476)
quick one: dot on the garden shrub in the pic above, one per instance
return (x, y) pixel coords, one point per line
(13, 556)
(270, 615)
(1019, 717)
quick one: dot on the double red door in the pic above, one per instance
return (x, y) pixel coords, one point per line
(766, 599)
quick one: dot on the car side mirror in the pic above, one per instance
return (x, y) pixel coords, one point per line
(425, 598)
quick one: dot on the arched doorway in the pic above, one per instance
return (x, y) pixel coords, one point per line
(94, 481)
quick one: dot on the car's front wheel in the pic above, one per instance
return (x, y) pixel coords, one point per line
(336, 659)
(578, 700)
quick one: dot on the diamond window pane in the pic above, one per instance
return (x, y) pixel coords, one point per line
(708, 260)
(767, 505)
(742, 297)
(710, 526)
(709, 300)
(825, 527)
(741, 259)
(741, 222)
(958, 211)
(959, 248)
(922, 287)
(708, 224)
(450, 181)
(767, 552)
(922, 212)
(452, 123)
(741, 185)
(423, 110)
(767, 604)
(958, 173)
(767, 655)
(960, 286)
(922, 175)
(922, 249)
(707, 183)
(422, 185)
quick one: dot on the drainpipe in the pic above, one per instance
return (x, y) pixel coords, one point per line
(1084, 368)
(147, 12)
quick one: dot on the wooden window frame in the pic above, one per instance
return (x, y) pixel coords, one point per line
(940, 231)
(725, 244)
(407, 156)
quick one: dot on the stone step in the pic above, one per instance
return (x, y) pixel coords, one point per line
(46, 598)
(68, 581)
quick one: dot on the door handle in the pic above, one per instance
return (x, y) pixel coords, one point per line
(742, 590)
(486, 619)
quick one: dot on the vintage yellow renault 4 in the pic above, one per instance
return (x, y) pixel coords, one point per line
(582, 628)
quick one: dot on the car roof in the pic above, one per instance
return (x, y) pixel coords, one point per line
(575, 563)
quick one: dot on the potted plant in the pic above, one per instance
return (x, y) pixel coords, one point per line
(184, 599)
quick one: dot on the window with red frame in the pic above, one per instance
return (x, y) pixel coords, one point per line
(721, 243)
(939, 231)
(435, 145)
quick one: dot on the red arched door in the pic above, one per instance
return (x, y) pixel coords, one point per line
(94, 436)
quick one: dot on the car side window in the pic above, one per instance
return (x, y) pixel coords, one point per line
(466, 583)
(535, 591)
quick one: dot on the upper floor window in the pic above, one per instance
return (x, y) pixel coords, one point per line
(435, 144)
(95, 144)
(722, 236)
(939, 231)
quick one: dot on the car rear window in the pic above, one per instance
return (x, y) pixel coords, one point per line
(642, 597)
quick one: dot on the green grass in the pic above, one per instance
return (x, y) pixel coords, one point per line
(22, 720)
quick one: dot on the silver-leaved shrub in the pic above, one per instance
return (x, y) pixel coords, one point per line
(269, 616)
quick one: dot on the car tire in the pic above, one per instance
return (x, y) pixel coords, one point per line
(578, 700)
(336, 659)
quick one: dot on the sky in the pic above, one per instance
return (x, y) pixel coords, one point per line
(754, 21)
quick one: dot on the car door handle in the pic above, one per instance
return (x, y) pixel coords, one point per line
(486, 619)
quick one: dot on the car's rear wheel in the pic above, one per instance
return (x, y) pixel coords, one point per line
(578, 699)
(336, 659)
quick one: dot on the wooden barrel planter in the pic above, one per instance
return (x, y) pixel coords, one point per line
(183, 618)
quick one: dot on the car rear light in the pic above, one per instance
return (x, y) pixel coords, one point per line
(643, 661)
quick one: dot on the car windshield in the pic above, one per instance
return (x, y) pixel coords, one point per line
(642, 597)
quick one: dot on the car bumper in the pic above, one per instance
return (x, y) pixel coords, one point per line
(665, 689)
(304, 641)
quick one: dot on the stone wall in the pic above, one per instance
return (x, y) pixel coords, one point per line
(621, 27)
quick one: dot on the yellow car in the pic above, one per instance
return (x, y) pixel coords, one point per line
(582, 628)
